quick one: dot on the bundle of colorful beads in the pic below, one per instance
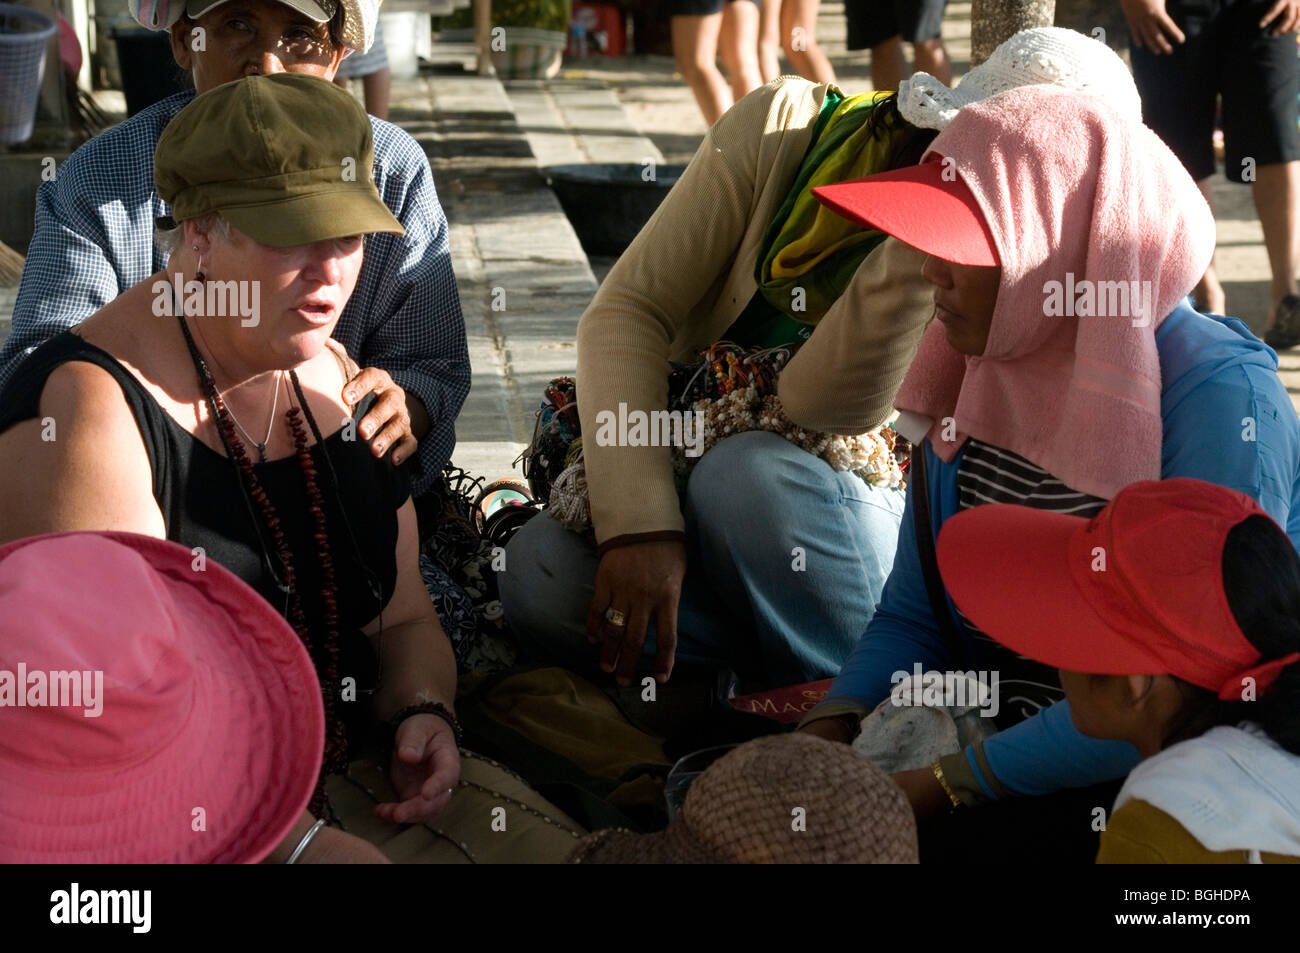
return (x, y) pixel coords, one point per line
(733, 389)
(870, 455)
(555, 432)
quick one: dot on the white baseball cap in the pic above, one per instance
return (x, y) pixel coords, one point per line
(1048, 55)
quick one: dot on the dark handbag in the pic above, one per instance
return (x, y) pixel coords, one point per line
(934, 588)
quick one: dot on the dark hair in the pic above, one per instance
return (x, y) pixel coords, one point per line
(886, 119)
(1261, 579)
(336, 26)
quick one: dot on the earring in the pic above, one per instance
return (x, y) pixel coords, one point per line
(198, 272)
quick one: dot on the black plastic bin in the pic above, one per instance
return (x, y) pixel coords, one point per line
(607, 203)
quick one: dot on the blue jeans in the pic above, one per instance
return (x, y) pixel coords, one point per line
(786, 559)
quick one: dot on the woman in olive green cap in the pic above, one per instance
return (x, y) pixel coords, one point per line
(202, 406)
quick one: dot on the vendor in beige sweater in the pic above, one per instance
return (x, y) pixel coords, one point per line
(717, 578)
(772, 563)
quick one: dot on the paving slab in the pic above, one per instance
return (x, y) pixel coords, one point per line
(523, 276)
(7, 298)
(578, 121)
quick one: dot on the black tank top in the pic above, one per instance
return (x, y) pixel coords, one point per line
(198, 492)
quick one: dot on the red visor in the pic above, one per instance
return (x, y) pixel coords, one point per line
(926, 206)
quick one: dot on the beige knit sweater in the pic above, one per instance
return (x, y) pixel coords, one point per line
(687, 277)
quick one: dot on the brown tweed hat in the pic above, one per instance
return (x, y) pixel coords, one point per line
(745, 809)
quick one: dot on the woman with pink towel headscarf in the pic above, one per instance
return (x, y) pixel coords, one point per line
(1064, 365)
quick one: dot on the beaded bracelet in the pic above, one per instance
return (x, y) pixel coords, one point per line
(427, 708)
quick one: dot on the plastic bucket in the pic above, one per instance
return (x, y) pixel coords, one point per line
(519, 52)
(149, 71)
(530, 54)
(24, 36)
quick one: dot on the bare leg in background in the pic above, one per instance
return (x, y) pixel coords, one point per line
(695, 51)
(1276, 191)
(738, 47)
(888, 65)
(378, 87)
(932, 58)
(769, 40)
(799, 40)
(1208, 293)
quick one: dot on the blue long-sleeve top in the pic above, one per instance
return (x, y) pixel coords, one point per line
(1227, 419)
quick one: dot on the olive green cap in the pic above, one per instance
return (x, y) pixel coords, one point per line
(285, 158)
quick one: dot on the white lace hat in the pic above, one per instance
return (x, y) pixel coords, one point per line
(359, 16)
(1050, 55)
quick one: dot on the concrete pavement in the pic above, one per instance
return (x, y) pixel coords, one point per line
(524, 279)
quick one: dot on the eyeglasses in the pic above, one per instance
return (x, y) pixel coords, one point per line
(298, 42)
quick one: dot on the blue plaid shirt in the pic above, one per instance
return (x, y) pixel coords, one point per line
(94, 239)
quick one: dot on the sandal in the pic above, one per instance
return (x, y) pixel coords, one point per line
(1286, 332)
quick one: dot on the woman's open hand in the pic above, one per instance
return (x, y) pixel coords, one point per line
(424, 772)
(1151, 25)
(1284, 15)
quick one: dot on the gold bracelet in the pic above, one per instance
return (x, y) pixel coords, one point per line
(938, 775)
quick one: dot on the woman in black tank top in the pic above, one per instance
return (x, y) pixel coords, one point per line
(202, 406)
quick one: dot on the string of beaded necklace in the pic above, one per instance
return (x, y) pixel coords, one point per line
(324, 651)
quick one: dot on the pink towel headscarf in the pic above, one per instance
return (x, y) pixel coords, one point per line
(1077, 195)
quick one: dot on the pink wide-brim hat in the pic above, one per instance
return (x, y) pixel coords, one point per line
(208, 740)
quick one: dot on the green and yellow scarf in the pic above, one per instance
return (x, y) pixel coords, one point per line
(810, 254)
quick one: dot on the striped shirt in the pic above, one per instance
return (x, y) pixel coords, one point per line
(988, 474)
(94, 239)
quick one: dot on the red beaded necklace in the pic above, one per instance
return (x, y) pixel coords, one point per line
(324, 651)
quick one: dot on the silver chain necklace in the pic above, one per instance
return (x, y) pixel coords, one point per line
(275, 399)
(275, 402)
